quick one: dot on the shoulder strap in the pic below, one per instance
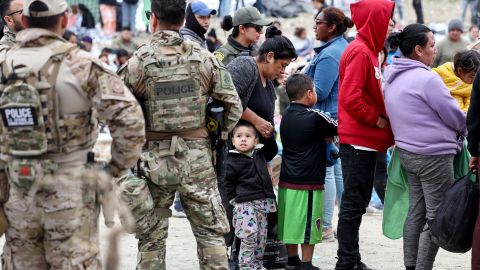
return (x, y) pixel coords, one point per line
(59, 53)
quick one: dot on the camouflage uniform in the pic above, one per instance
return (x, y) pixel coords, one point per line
(8, 38)
(53, 206)
(7, 41)
(178, 156)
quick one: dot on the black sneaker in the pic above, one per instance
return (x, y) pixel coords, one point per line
(362, 266)
(293, 263)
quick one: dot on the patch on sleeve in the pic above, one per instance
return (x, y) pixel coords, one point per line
(219, 55)
(111, 86)
(226, 79)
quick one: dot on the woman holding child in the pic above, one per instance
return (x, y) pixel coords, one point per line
(428, 126)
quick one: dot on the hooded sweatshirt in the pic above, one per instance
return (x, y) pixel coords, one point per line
(193, 30)
(425, 118)
(360, 100)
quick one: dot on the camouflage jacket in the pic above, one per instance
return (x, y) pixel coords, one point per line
(232, 49)
(83, 81)
(8, 38)
(215, 78)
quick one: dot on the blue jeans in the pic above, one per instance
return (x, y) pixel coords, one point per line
(129, 12)
(399, 8)
(224, 8)
(333, 189)
(464, 6)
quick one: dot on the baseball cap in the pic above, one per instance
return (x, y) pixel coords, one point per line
(201, 9)
(54, 7)
(87, 39)
(249, 15)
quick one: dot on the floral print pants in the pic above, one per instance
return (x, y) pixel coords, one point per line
(250, 222)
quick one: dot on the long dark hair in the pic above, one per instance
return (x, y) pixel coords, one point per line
(333, 15)
(411, 36)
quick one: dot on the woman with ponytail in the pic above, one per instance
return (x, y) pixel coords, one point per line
(247, 24)
(428, 127)
(330, 26)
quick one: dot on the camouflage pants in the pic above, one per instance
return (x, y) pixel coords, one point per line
(53, 219)
(201, 201)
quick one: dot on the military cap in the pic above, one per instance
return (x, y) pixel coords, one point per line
(249, 15)
(51, 8)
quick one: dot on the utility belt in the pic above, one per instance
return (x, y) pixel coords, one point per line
(24, 171)
(194, 134)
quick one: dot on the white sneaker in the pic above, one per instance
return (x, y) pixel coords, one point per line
(178, 214)
(373, 211)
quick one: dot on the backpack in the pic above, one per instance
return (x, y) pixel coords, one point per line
(28, 106)
(452, 228)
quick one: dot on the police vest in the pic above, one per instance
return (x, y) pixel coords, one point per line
(29, 105)
(175, 99)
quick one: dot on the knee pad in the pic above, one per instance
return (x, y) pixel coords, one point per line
(213, 258)
(151, 260)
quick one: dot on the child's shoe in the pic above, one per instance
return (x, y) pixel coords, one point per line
(306, 266)
(293, 263)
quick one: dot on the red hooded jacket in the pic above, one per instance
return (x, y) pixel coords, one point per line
(360, 100)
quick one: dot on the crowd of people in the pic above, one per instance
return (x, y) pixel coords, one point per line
(344, 107)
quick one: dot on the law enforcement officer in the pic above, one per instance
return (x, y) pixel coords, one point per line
(174, 78)
(247, 24)
(11, 11)
(52, 93)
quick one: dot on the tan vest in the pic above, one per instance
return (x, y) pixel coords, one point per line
(43, 106)
(174, 100)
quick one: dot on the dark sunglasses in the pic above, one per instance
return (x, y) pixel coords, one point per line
(148, 14)
(15, 12)
(258, 28)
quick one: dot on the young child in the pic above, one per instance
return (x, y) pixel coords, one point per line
(249, 189)
(300, 197)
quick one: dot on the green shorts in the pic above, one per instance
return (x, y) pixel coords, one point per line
(300, 216)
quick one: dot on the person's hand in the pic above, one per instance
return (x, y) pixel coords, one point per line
(381, 122)
(282, 80)
(263, 127)
(330, 139)
(473, 164)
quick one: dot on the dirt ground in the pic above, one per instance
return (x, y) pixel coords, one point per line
(377, 251)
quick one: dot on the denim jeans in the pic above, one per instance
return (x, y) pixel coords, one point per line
(464, 6)
(224, 8)
(129, 12)
(380, 182)
(358, 169)
(333, 189)
(429, 177)
(399, 8)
